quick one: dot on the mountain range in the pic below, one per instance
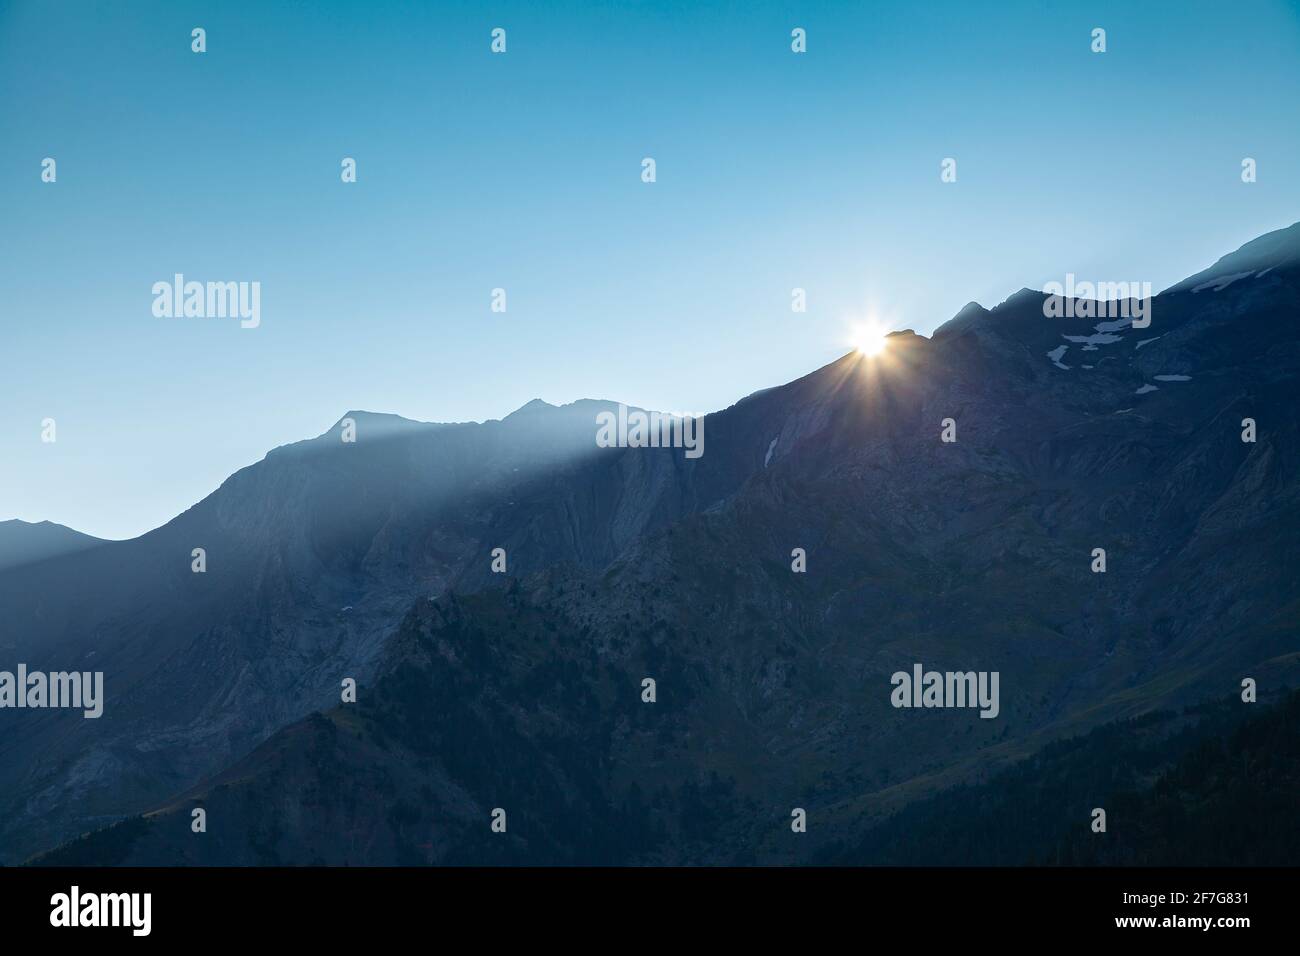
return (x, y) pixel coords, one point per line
(524, 690)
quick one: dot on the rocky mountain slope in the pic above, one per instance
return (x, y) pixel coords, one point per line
(773, 687)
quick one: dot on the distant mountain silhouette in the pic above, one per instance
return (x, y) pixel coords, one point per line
(26, 542)
(372, 560)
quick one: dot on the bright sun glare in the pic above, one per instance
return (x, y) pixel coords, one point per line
(869, 340)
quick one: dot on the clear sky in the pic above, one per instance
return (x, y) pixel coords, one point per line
(523, 171)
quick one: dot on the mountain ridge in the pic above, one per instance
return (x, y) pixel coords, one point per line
(976, 551)
(27, 542)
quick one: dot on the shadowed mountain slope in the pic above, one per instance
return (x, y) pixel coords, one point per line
(627, 563)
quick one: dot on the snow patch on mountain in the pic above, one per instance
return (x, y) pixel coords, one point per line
(1219, 283)
(1097, 338)
(1114, 325)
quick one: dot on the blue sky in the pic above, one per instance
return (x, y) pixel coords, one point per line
(522, 171)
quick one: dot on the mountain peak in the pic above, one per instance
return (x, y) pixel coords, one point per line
(1019, 295)
(970, 314)
(374, 424)
(25, 542)
(533, 407)
(360, 415)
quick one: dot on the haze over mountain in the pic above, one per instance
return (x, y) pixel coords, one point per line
(26, 542)
(372, 560)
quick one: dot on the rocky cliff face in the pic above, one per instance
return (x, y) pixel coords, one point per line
(773, 686)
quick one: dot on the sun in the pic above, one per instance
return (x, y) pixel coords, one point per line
(869, 340)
